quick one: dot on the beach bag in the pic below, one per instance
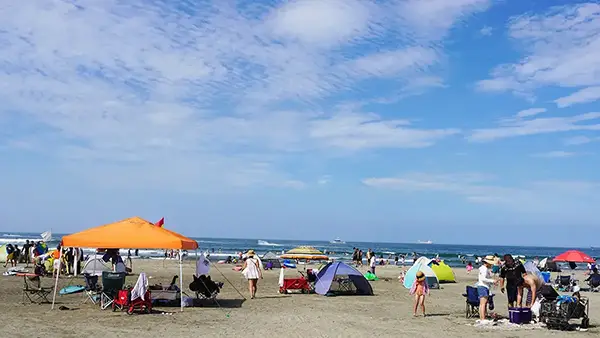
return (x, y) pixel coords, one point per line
(535, 308)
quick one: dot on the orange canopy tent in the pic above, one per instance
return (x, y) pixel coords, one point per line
(131, 233)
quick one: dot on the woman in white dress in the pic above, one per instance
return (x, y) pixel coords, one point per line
(252, 272)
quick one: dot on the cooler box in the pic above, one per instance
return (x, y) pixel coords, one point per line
(519, 315)
(546, 276)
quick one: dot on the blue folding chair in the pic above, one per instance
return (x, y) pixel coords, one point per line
(472, 302)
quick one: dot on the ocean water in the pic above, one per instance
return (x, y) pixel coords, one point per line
(220, 248)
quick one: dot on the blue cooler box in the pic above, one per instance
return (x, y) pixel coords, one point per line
(519, 315)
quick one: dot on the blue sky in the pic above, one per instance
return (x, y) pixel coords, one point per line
(464, 121)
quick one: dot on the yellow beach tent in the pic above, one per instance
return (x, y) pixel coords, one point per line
(443, 272)
(3, 254)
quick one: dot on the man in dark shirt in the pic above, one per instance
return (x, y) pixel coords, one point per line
(513, 273)
(26, 249)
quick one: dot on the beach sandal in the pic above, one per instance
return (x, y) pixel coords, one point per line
(64, 308)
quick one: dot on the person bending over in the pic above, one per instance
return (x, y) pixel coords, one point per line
(534, 284)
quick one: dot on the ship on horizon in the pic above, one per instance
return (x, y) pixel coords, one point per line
(425, 242)
(337, 241)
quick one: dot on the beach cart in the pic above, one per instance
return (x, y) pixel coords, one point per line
(302, 283)
(299, 283)
(557, 314)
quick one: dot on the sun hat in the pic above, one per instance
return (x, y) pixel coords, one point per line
(490, 259)
(250, 253)
(420, 275)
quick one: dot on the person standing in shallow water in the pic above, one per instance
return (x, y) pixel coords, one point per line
(252, 272)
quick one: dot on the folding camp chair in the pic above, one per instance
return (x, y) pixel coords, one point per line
(205, 288)
(92, 289)
(344, 285)
(594, 283)
(34, 291)
(565, 283)
(472, 302)
(112, 282)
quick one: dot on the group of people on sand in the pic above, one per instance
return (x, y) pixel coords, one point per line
(513, 280)
(357, 259)
(25, 254)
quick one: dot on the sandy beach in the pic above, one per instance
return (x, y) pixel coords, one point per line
(387, 314)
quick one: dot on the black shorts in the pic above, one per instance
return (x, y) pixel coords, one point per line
(512, 291)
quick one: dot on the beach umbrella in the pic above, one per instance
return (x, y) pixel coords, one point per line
(305, 252)
(574, 256)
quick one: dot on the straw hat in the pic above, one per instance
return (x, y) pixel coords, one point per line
(490, 259)
(250, 253)
(420, 275)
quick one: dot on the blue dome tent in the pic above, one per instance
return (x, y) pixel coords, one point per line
(339, 278)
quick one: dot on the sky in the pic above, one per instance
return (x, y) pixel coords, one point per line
(459, 121)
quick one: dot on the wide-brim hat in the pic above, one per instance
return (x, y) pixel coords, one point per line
(250, 253)
(420, 276)
(490, 259)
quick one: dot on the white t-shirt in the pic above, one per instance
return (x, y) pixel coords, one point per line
(485, 277)
(373, 261)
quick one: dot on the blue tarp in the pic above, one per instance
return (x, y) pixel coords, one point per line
(327, 275)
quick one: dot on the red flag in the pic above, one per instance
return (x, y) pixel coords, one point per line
(160, 223)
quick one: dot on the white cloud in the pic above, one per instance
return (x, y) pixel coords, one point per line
(323, 180)
(562, 48)
(392, 63)
(486, 31)
(324, 22)
(481, 188)
(589, 94)
(524, 127)
(211, 82)
(530, 112)
(294, 184)
(579, 140)
(359, 131)
(555, 154)
(416, 86)
(436, 17)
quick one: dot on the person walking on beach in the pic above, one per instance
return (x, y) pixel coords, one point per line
(355, 257)
(252, 272)
(360, 255)
(484, 284)
(372, 263)
(512, 272)
(419, 289)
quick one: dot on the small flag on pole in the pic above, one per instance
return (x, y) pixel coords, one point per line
(160, 223)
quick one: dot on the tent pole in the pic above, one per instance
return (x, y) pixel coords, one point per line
(180, 280)
(58, 273)
(75, 261)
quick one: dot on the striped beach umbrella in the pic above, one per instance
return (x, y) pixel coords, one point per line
(305, 252)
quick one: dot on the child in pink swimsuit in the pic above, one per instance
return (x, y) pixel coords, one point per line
(469, 267)
(419, 289)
